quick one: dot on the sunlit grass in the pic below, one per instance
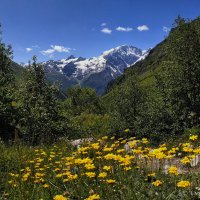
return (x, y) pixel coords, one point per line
(105, 168)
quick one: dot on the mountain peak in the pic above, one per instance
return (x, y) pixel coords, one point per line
(97, 71)
(71, 57)
(124, 49)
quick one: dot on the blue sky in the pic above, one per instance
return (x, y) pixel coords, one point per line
(55, 29)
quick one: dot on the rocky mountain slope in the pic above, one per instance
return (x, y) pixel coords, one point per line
(95, 72)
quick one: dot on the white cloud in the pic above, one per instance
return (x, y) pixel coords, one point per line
(166, 29)
(103, 24)
(60, 49)
(123, 29)
(55, 48)
(47, 52)
(29, 49)
(143, 28)
(106, 31)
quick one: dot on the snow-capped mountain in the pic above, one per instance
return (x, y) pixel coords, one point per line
(117, 59)
(94, 72)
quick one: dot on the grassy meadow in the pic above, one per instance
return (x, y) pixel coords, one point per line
(104, 168)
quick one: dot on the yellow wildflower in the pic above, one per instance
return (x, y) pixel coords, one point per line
(152, 174)
(110, 181)
(104, 138)
(102, 175)
(109, 156)
(173, 170)
(59, 175)
(90, 174)
(127, 168)
(45, 185)
(193, 137)
(59, 197)
(107, 149)
(183, 184)
(93, 197)
(157, 183)
(25, 176)
(185, 160)
(145, 141)
(187, 149)
(120, 150)
(89, 166)
(197, 150)
(107, 168)
(95, 146)
(187, 144)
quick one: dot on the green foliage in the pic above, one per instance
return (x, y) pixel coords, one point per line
(89, 125)
(7, 82)
(158, 97)
(38, 104)
(169, 98)
(83, 100)
(84, 113)
(125, 103)
(179, 81)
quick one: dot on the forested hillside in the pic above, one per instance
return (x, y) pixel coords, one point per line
(159, 97)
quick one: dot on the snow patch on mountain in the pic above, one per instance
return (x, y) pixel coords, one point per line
(115, 60)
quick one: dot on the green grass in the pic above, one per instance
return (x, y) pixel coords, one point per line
(36, 173)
